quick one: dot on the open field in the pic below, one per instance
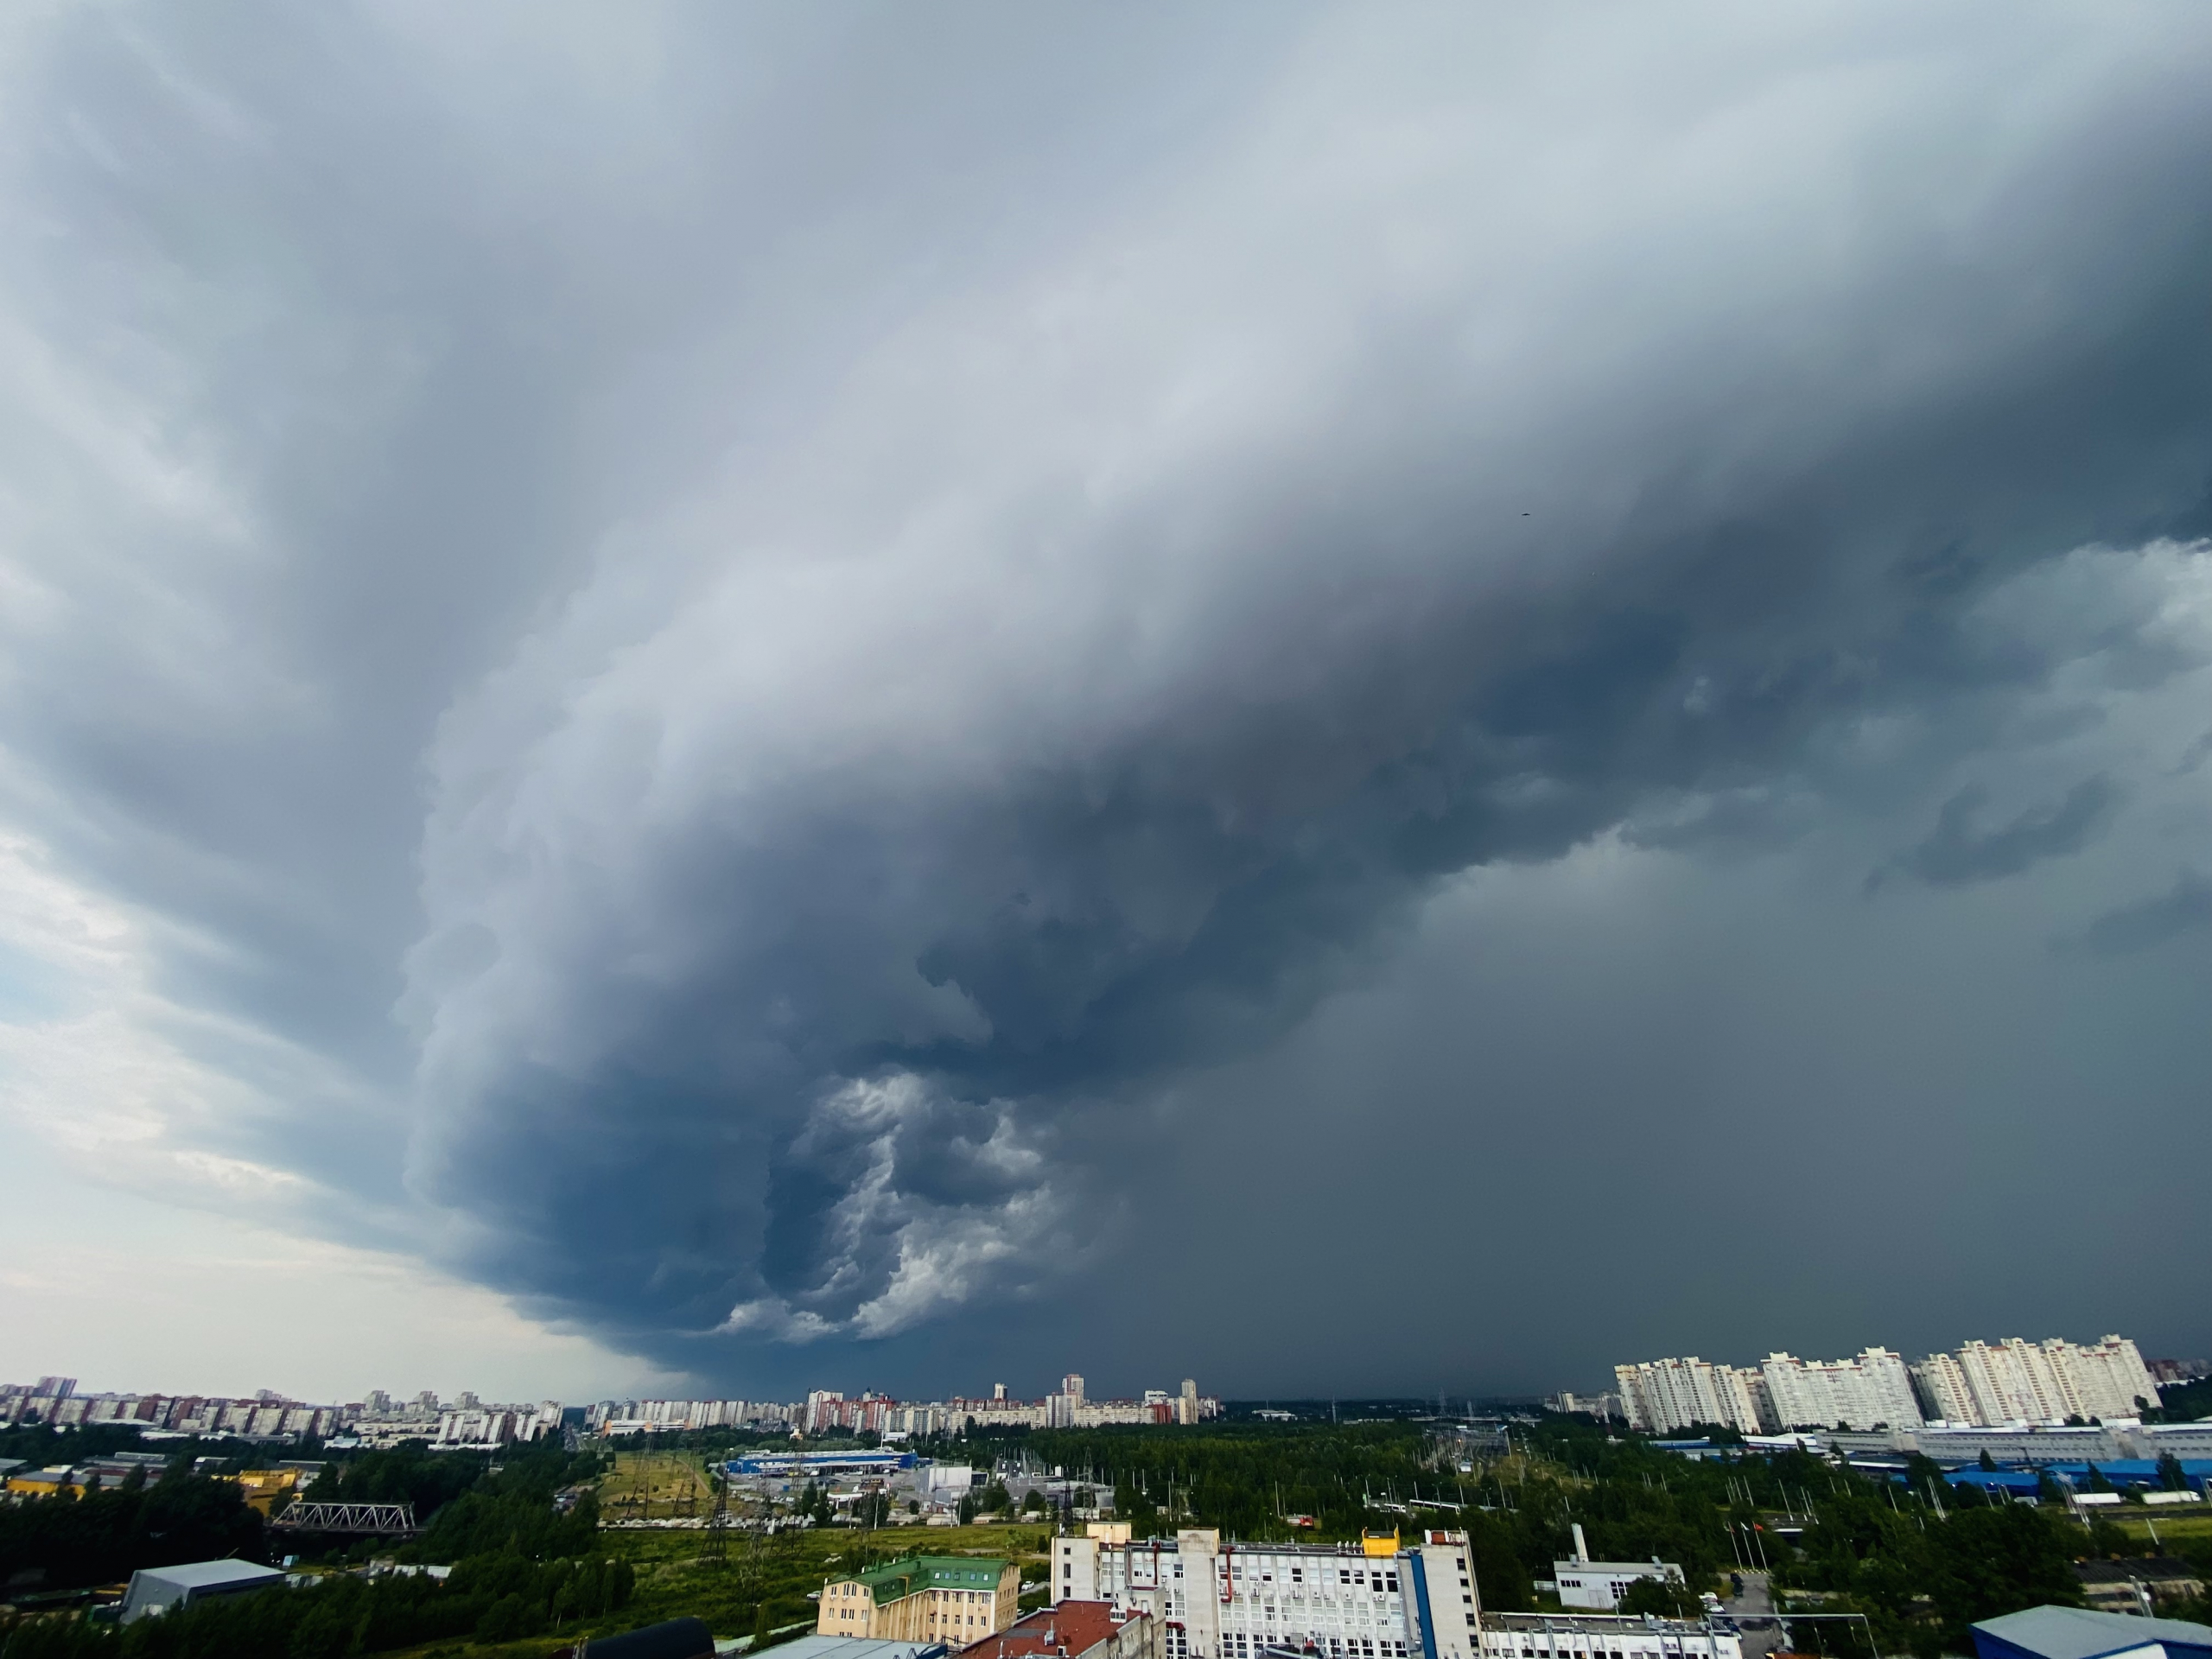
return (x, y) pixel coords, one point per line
(677, 1578)
(677, 1575)
(2171, 1526)
(656, 1485)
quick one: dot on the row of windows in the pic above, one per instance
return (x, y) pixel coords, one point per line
(1235, 1644)
(1383, 1579)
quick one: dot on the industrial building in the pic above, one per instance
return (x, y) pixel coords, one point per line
(2079, 1633)
(955, 1600)
(2139, 1584)
(1597, 1586)
(817, 1465)
(157, 1589)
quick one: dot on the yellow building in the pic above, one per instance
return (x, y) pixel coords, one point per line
(265, 1486)
(954, 1599)
(42, 1483)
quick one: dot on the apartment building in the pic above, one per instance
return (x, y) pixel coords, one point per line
(2019, 1381)
(1979, 1384)
(1661, 1395)
(1873, 1390)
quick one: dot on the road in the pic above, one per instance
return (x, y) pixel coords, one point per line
(1754, 1612)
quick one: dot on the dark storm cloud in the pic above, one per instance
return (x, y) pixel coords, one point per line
(843, 614)
(1955, 852)
(2186, 907)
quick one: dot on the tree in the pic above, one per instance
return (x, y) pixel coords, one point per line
(1995, 1561)
(1664, 1597)
(2172, 1476)
(2107, 1540)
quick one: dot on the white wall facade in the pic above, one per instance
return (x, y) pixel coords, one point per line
(1597, 1586)
(1661, 1395)
(2021, 1382)
(1229, 1601)
(1595, 1636)
(1873, 1390)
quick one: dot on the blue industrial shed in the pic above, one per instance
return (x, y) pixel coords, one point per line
(2077, 1633)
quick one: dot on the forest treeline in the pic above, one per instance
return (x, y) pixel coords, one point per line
(521, 1565)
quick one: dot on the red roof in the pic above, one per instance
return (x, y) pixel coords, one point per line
(1067, 1631)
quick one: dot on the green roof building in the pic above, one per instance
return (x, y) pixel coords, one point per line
(955, 1599)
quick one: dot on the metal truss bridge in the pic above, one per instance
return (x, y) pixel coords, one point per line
(367, 1520)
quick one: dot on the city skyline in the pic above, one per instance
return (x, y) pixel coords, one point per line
(1351, 701)
(1897, 1394)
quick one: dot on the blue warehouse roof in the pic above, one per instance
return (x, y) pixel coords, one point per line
(2076, 1633)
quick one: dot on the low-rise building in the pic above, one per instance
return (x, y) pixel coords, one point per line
(1074, 1629)
(27, 1482)
(1604, 1636)
(673, 1638)
(1597, 1586)
(951, 1599)
(2082, 1633)
(857, 1647)
(263, 1487)
(157, 1589)
(2140, 1584)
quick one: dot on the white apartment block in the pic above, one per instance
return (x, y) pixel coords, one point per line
(1944, 1391)
(1661, 1395)
(497, 1426)
(1981, 1384)
(2019, 1381)
(1871, 1391)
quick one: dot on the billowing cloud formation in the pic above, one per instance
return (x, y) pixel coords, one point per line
(841, 615)
(2186, 906)
(1956, 851)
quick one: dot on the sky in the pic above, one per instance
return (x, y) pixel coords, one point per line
(1341, 700)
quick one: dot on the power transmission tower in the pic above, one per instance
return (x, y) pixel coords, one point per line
(718, 1524)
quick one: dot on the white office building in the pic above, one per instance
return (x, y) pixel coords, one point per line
(1597, 1586)
(1603, 1636)
(1232, 1601)
(1383, 1599)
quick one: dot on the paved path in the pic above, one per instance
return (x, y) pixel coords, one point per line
(1754, 1612)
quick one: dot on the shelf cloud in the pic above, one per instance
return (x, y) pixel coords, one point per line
(838, 690)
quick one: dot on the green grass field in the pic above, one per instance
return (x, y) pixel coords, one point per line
(2170, 1526)
(677, 1578)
